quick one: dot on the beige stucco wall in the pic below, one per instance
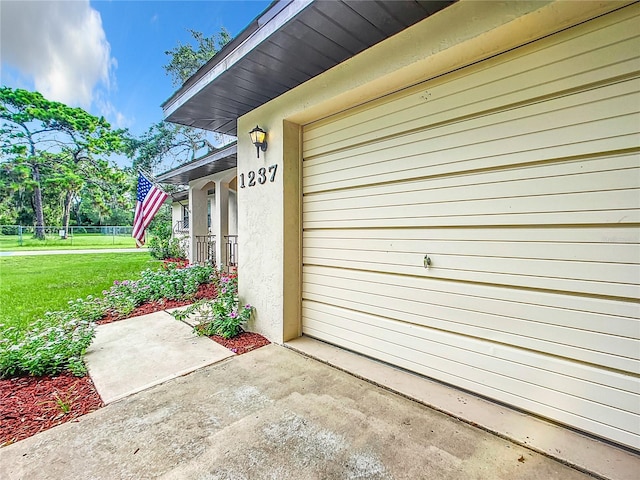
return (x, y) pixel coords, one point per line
(269, 214)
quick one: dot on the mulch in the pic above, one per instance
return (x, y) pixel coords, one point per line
(243, 343)
(30, 405)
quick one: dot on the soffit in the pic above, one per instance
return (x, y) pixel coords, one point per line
(290, 43)
(218, 161)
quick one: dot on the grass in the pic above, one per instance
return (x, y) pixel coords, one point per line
(78, 241)
(33, 285)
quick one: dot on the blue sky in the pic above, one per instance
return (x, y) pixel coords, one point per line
(107, 56)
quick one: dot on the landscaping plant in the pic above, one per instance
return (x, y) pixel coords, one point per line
(171, 283)
(53, 344)
(223, 316)
(161, 244)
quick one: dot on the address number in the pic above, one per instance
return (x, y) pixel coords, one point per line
(260, 176)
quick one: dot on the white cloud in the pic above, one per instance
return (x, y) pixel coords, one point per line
(61, 45)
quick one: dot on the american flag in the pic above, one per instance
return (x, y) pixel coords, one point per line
(150, 199)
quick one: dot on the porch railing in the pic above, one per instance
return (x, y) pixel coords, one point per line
(181, 228)
(231, 259)
(205, 249)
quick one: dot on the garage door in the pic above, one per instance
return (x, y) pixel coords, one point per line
(518, 181)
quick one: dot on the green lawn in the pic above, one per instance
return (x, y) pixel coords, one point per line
(81, 241)
(32, 285)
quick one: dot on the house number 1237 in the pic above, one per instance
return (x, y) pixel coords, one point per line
(260, 176)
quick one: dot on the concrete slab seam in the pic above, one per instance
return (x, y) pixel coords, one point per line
(166, 379)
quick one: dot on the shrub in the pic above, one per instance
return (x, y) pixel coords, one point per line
(161, 245)
(53, 344)
(223, 316)
(171, 283)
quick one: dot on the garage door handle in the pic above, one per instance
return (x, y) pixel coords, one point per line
(427, 261)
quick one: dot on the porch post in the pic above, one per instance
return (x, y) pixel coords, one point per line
(197, 222)
(221, 219)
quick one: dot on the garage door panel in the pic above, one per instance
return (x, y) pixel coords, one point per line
(450, 154)
(519, 177)
(529, 74)
(607, 316)
(530, 250)
(609, 173)
(465, 364)
(616, 352)
(546, 371)
(585, 278)
(559, 176)
(550, 218)
(430, 195)
(600, 236)
(472, 138)
(550, 209)
(568, 202)
(561, 112)
(318, 312)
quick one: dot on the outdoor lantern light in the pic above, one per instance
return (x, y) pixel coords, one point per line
(258, 137)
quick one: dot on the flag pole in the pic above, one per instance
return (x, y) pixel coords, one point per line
(149, 199)
(155, 182)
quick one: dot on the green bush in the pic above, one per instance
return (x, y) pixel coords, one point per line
(52, 345)
(161, 245)
(171, 283)
(224, 316)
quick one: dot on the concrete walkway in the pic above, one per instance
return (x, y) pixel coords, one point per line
(132, 355)
(25, 253)
(270, 414)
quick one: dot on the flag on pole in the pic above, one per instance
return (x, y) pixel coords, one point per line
(150, 199)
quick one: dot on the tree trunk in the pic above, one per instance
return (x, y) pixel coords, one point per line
(37, 204)
(66, 213)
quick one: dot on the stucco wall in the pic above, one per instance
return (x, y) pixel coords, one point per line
(176, 213)
(269, 214)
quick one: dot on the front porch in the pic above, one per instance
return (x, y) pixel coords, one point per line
(204, 217)
(206, 250)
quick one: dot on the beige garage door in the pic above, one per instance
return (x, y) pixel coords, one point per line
(519, 179)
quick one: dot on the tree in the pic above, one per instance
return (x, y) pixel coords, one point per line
(185, 60)
(166, 145)
(15, 196)
(65, 144)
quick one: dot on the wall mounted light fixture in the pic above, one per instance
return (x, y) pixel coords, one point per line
(258, 137)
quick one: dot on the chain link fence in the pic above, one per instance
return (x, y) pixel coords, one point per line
(21, 236)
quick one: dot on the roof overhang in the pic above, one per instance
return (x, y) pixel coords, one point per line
(291, 42)
(214, 162)
(180, 196)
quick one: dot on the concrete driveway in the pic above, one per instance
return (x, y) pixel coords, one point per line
(271, 414)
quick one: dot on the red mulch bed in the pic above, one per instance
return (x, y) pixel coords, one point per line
(28, 404)
(243, 343)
